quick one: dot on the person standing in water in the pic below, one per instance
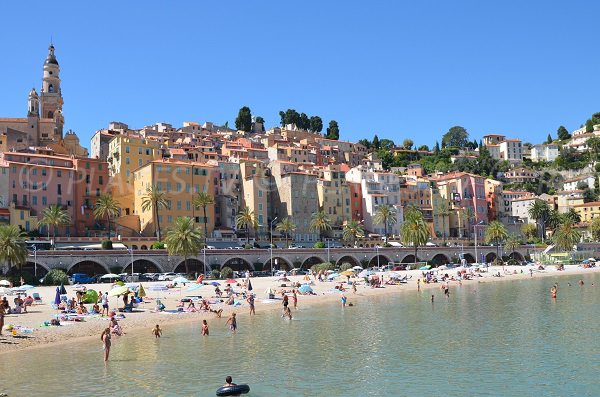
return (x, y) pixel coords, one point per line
(295, 300)
(344, 299)
(250, 301)
(157, 331)
(232, 323)
(105, 338)
(204, 328)
(553, 291)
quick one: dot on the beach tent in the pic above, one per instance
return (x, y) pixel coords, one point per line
(90, 296)
(305, 289)
(5, 291)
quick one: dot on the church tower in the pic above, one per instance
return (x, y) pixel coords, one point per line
(51, 100)
(33, 106)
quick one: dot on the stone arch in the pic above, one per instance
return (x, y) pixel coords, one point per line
(144, 247)
(143, 266)
(469, 258)
(348, 259)
(517, 256)
(410, 258)
(282, 264)
(88, 267)
(195, 266)
(29, 268)
(383, 260)
(440, 259)
(238, 264)
(311, 261)
(490, 257)
(134, 247)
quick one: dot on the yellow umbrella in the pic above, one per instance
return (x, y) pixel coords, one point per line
(347, 273)
(141, 292)
(118, 291)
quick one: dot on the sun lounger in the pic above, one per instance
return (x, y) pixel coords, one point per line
(36, 298)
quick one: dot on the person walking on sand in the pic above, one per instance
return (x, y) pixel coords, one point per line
(157, 331)
(204, 329)
(105, 338)
(2, 312)
(231, 321)
(105, 304)
(354, 287)
(250, 301)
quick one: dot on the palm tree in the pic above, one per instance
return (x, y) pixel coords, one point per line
(571, 216)
(554, 219)
(414, 230)
(203, 200)
(467, 215)
(442, 209)
(353, 229)
(286, 226)
(320, 222)
(565, 236)
(540, 211)
(512, 244)
(496, 233)
(12, 246)
(184, 239)
(154, 200)
(245, 219)
(54, 217)
(595, 229)
(386, 216)
(108, 207)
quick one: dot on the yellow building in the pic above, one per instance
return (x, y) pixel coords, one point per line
(588, 211)
(21, 216)
(127, 153)
(181, 181)
(256, 187)
(334, 194)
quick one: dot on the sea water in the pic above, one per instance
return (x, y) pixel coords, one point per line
(499, 339)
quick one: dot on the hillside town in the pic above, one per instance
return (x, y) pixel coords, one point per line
(291, 182)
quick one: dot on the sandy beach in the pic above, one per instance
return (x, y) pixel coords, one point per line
(146, 317)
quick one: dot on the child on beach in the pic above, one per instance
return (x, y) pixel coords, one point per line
(344, 299)
(157, 331)
(204, 328)
(105, 338)
(232, 323)
(295, 300)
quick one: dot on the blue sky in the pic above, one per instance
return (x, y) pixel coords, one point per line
(398, 69)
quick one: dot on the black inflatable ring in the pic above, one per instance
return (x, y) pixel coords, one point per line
(233, 390)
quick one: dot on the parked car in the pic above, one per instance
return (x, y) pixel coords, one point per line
(169, 276)
(293, 246)
(147, 277)
(298, 272)
(82, 278)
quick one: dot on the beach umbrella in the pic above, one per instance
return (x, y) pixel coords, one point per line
(119, 283)
(231, 281)
(5, 291)
(305, 289)
(132, 286)
(63, 290)
(158, 288)
(5, 283)
(57, 297)
(194, 287)
(120, 290)
(347, 273)
(214, 283)
(333, 275)
(249, 285)
(426, 267)
(357, 268)
(181, 280)
(141, 292)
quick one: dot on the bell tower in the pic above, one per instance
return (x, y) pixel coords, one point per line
(33, 108)
(51, 100)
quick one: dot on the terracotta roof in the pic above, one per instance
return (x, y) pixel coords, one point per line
(590, 204)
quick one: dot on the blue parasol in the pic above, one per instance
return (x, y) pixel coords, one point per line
(249, 285)
(57, 297)
(305, 289)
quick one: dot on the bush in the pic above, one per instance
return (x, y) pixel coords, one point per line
(346, 266)
(56, 277)
(387, 245)
(159, 245)
(597, 167)
(107, 245)
(498, 262)
(248, 247)
(226, 272)
(215, 273)
(323, 267)
(319, 244)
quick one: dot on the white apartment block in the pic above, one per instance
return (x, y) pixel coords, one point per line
(544, 152)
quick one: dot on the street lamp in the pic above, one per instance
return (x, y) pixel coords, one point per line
(480, 223)
(35, 261)
(204, 258)
(377, 254)
(271, 245)
(131, 252)
(327, 240)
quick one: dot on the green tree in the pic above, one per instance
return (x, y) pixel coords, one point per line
(436, 149)
(512, 244)
(408, 143)
(495, 234)
(287, 227)
(563, 133)
(589, 126)
(304, 122)
(529, 230)
(245, 219)
(595, 229)
(106, 207)
(316, 124)
(423, 148)
(333, 131)
(353, 230)
(539, 211)
(549, 139)
(292, 117)
(593, 144)
(13, 249)
(243, 121)
(154, 200)
(456, 136)
(589, 196)
(260, 120)
(365, 143)
(184, 239)
(414, 230)
(467, 216)
(282, 116)
(203, 200)
(54, 217)
(375, 143)
(571, 216)
(442, 211)
(566, 236)
(385, 215)
(320, 222)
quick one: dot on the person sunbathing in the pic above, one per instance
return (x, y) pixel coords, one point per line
(217, 312)
(191, 308)
(81, 309)
(96, 308)
(115, 327)
(230, 300)
(204, 305)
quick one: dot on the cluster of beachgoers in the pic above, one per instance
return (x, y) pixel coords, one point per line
(36, 316)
